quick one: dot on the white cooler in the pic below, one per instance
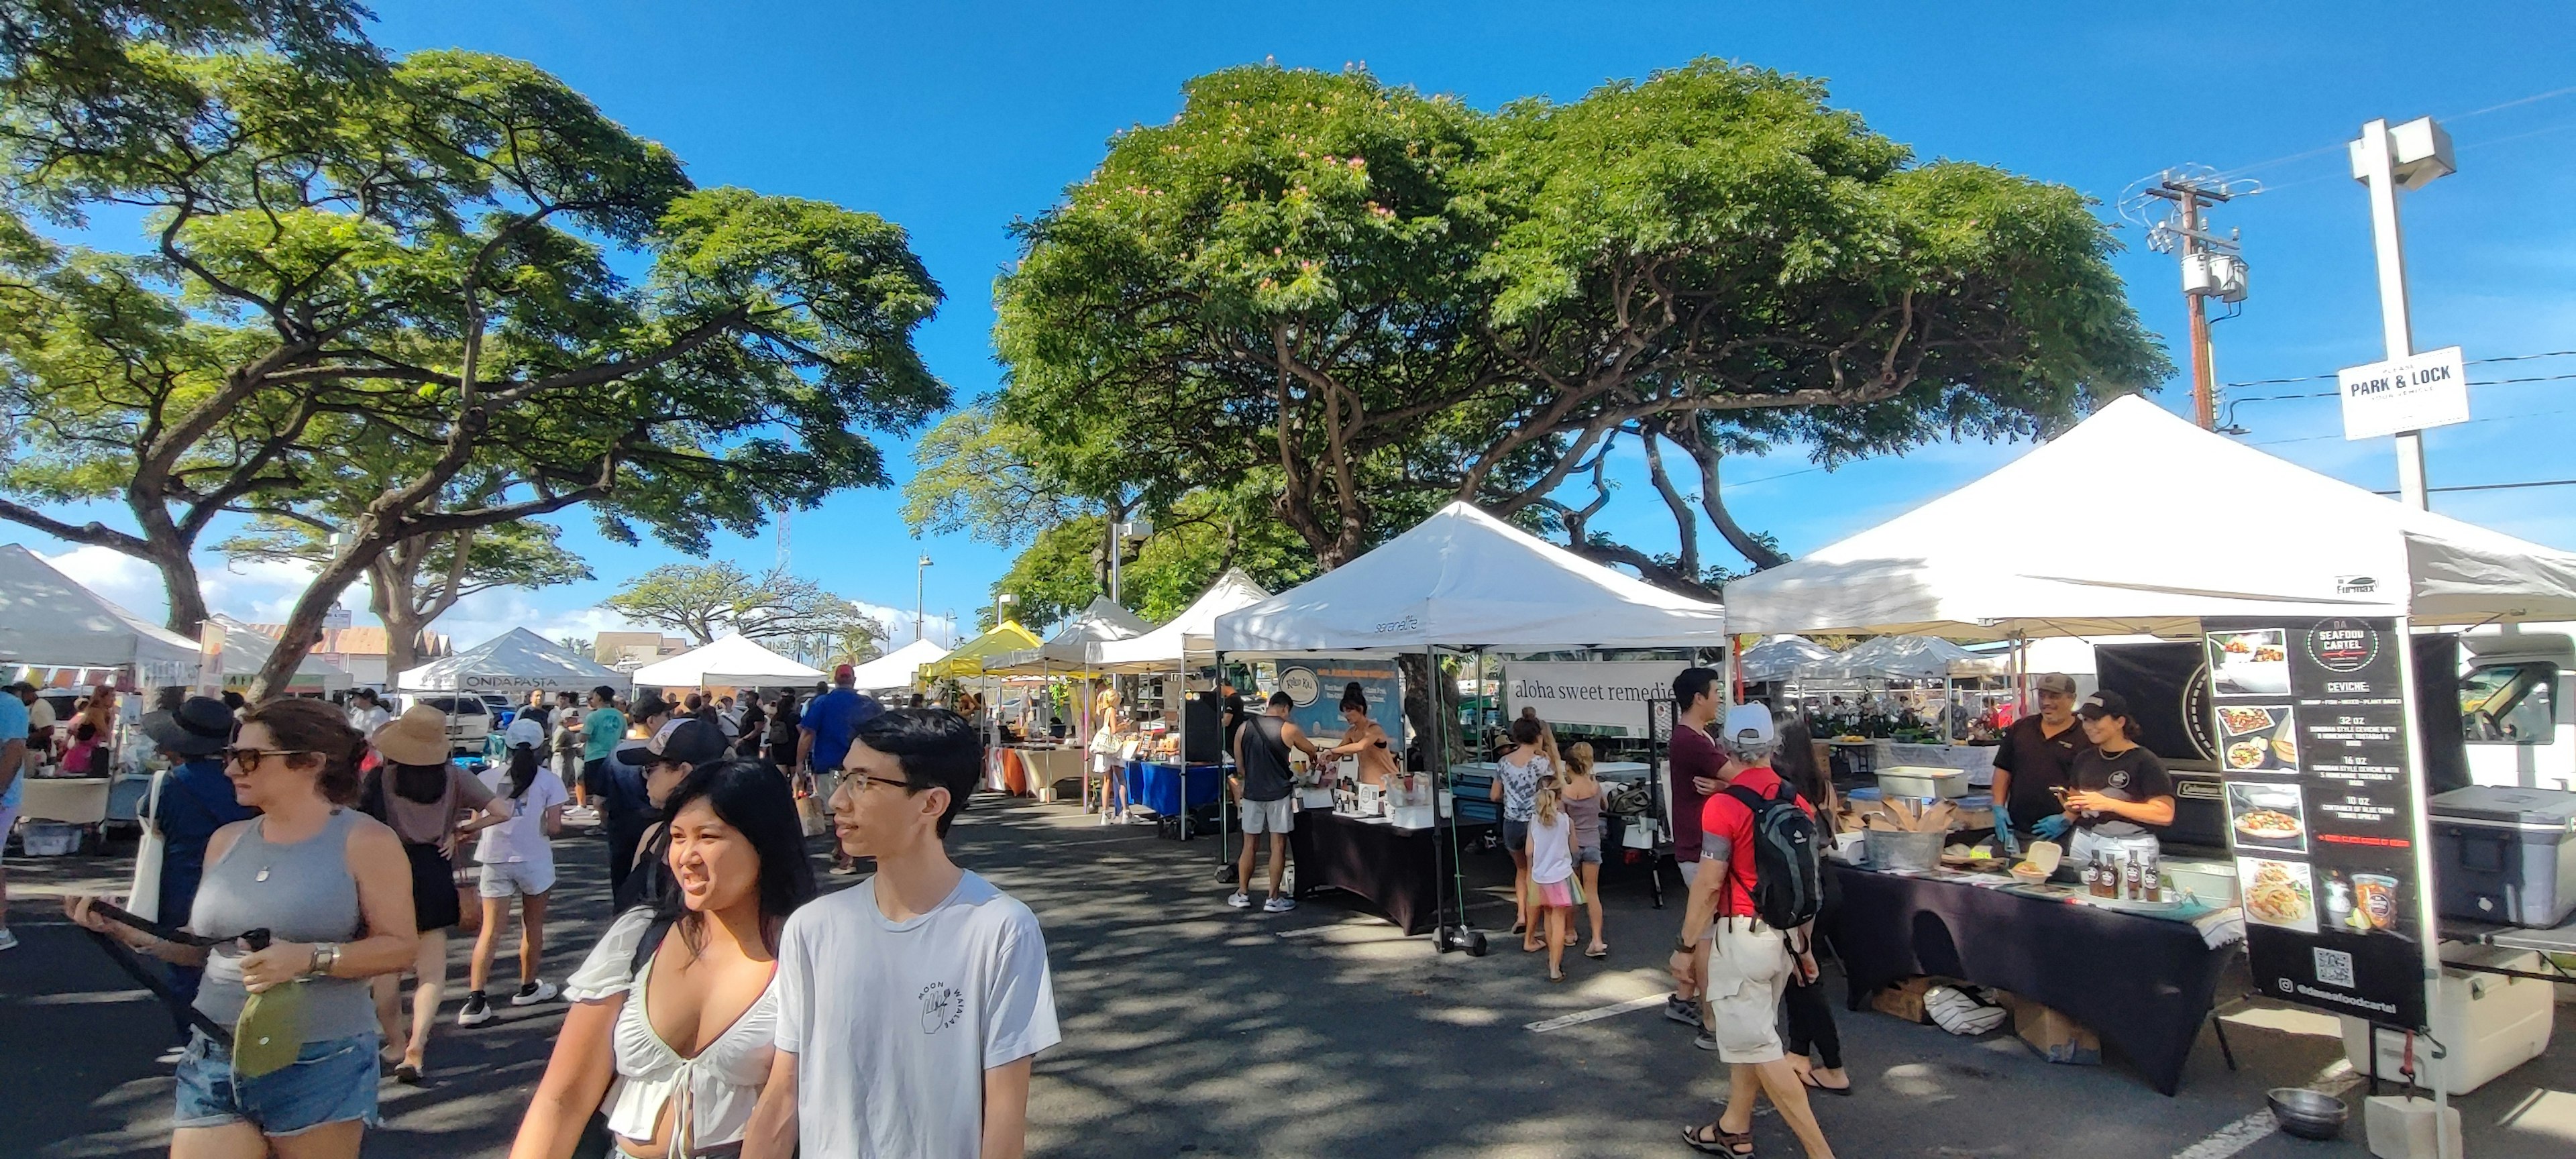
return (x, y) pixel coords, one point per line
(2498, 1023)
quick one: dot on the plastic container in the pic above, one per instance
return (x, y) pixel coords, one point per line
(2499, 1022)
(49, 838)
(1911, 852)
(1922, 781)
(2505, 855)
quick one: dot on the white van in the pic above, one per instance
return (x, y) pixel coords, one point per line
(469, 720)
(2517, 689)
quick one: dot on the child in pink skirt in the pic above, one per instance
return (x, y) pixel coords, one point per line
(1551, 871)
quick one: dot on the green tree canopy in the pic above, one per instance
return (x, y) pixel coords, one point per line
(420, 261)
(1376, 300)
(707, 600)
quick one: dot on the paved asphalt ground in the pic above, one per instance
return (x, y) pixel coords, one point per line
(1192, 1029)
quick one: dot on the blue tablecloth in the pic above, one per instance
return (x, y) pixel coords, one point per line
(1156, 785)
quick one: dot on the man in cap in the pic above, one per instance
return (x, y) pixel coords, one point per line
(676, 749)
(40, 724)
(196, 799)
(2034, 762)
(823, 736)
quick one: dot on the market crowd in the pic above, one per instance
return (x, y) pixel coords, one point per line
(307, 861)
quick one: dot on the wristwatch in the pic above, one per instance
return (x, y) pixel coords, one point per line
(325, 956)
(1683, 947)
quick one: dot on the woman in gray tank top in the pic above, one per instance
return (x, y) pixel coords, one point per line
(333, 889)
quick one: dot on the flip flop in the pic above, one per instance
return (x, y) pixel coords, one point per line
(1559, 976)
(1811, 1084)
(1599, 951)
(1709, 1140)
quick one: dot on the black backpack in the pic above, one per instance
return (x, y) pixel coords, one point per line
(1788, 868)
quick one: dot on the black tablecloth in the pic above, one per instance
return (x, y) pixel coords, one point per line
(2144, 984)
(1396, 870)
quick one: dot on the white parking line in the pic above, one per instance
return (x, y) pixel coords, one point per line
(1600, 1012)
(2256, 1127)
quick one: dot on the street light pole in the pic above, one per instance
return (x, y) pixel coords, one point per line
(920, 622)
(2384, 160)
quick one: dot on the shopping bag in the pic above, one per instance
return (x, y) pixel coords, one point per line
(809, 808)
(143, 896)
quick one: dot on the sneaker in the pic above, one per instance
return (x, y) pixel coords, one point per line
(844, 870)
(173, 1056)
(1681, 1010)
(533, 993)
(1240, 900)
(1705, 1041)
(1279, 905)
(8, 941)
(477, 1010)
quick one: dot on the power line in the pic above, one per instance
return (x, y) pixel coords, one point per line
(2471, 362)
(2495, 486)
(2339, 146)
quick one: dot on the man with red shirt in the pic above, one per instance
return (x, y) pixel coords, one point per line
(1695, 775)
(1739, 963)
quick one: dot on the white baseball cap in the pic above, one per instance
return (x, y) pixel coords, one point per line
(1748, 726)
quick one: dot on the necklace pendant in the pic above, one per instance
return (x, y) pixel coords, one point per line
(262, 875)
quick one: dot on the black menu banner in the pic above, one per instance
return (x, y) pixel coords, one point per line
(2311, 718)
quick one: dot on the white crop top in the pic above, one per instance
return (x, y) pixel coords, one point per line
(714, 1092)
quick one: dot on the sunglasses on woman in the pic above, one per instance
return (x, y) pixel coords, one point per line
(248, 759)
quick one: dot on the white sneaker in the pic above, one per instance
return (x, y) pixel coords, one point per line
(476, 1011)
(536, 992)
(1240, 900)
(1279, 905)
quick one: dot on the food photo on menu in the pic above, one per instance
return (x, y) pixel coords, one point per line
(2250, 663)
(2278, 894)
(2365, 903)
(2267, 817)
(2258, 738)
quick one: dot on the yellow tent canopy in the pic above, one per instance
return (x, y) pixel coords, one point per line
(967, 661)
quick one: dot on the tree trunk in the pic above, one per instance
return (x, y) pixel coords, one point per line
(1706, 453)
(304, 625)
(389, 596)
(178, 569)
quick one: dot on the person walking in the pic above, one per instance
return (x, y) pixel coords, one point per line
(681, 746)
(196, 801)
(667, 1045)
(1516, 778)
(516, 859)
(1550, 854)
(1814, 1043)
(752, 727)
(1695, 765)
(367, 712)
(431, 804)
(332, 887)
(1728, 952)
(565, 742)
(13, 789)
(912, 1005)
(1581, 797)
(823, 735)
(603, 728)
(1264, 797)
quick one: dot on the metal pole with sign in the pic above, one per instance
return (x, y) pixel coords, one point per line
(2384, 159)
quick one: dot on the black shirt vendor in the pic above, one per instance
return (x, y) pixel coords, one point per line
(2121, 794)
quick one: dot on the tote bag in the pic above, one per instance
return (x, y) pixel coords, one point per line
(143, 897)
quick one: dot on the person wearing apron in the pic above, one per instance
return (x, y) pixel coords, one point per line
(2120, 795)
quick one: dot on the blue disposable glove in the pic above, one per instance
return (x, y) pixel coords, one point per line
(2052, 828)
(2004, 832)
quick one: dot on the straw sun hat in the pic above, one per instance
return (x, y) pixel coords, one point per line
(417, 737)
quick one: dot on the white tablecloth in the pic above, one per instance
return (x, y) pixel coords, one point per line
(1978, 760)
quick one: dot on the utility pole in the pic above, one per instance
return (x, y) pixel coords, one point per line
(920, 621)
(2212, 267)
(2385, 160)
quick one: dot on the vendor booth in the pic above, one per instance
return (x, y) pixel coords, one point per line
(56, 634)
(246, 650)
(897, 670)
(970, 663)
(1461, 581)
(2298, 595)
(1158, 772)
(730, 662)
(1778, 658)
(1037, 763)
(512, 664)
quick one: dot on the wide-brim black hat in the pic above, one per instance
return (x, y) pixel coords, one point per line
(200, 727)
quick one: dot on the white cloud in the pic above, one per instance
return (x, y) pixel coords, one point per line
(898, 625)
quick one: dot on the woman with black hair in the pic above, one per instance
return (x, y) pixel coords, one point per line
(516, 859)
(1363, 737)
(667, 1044)
(431, 804)
(782, 732)
(2122, 797)
(1815, 1044)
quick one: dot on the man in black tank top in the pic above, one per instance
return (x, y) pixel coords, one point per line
(1265, 792)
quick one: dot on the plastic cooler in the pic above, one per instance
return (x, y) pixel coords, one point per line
(2499, 1023)
(2505, 855)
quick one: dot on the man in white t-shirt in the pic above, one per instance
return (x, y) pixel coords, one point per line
(367, 712)
(912, 1005)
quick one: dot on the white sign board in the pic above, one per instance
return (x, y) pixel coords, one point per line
(2408, 394)
(1611, 693)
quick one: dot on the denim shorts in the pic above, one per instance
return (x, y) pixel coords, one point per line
(1587, 855)
(331, 1081)
(1515, 834)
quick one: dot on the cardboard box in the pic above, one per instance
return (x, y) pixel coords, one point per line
(1902, 1000)
(2055, 1036)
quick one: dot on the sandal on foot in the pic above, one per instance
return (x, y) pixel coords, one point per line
(1811, 1084)
(1598, 950)
(1709, 1140)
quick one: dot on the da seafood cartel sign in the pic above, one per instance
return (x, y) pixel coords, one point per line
(2405, 394)
(2323, 810)
(1611, 693)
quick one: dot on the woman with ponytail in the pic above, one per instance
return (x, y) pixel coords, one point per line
(516, 858)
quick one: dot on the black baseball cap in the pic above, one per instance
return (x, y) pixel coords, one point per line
(2102, 704)
(688, 741)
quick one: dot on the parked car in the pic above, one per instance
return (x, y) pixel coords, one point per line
(469, 720)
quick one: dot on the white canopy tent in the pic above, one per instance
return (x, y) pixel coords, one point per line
(515, 661)
(2211, 527)
(1190, 635)
(734, 662)
(1461, 580)
(1779, 658)
(899, 668)
(1901, 657)
(1069, 649)
(247, 649)
(47, 619)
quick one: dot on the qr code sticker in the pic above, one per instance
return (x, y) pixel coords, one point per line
(2334, 967)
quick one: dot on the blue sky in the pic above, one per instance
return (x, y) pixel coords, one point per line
(954, 119)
